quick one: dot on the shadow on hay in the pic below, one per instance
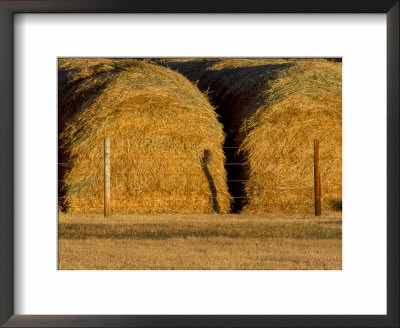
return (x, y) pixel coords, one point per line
(191, 69)
(211, 184)
(336, 205)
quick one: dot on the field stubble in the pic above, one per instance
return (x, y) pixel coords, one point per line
(200, 242)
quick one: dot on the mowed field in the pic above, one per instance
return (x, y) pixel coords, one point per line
(200, 242)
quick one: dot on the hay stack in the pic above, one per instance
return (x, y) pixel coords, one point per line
(303, 104)
(166, 141)
(274, 109)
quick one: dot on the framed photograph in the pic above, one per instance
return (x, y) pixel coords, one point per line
(201, 163)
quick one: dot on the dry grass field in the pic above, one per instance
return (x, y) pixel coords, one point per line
(200, 242)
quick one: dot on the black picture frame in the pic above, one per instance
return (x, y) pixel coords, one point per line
(7, 11)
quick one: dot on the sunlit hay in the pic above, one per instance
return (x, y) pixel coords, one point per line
(161, 129)
(304, 103)
(272, 109)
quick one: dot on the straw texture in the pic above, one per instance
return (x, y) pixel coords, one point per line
(166, 141)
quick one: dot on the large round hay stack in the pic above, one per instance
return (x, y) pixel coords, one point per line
(272, 110)
(166, 141)
(303, 104)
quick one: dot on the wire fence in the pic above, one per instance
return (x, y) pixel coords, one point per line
(236, 179)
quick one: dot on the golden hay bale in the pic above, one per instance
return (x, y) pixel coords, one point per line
(303, 104)
(272, 110)
(166, 141)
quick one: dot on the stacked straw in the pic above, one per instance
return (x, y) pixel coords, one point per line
(166, 141)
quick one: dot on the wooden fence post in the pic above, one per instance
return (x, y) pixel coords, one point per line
(317, 179)
(107, 178)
